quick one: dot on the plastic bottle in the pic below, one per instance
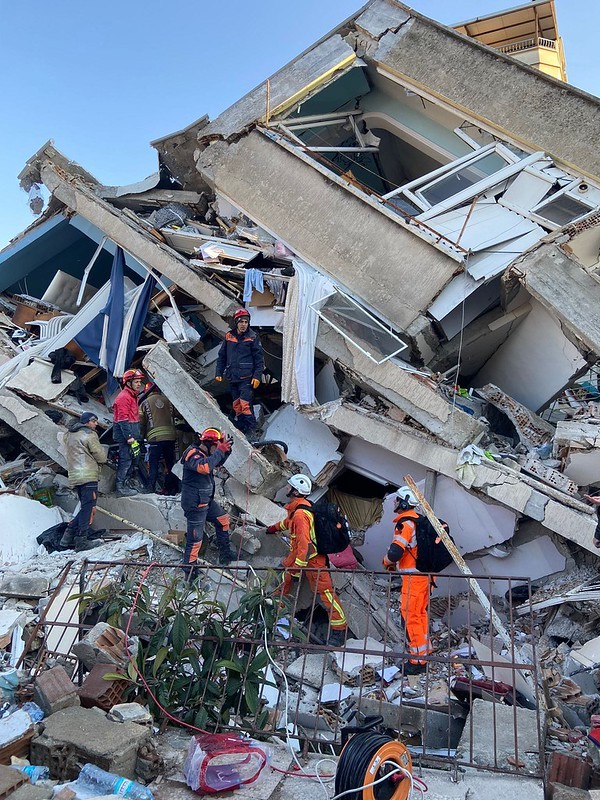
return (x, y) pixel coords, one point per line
(36, 774)
(101, 782)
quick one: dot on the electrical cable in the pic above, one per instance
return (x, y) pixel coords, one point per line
(366, 754)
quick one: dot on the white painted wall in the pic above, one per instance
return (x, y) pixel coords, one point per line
(535, 362)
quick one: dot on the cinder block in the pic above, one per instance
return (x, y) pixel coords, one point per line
(54, 690)
(78, 735)
(102, 645)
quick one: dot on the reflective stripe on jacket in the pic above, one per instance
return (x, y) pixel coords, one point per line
(241, 357)
(198, 483)
(405, 539)
(300, 522)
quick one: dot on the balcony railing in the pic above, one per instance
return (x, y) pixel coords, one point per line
(528, 44)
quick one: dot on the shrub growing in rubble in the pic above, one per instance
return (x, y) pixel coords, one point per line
(196, 661)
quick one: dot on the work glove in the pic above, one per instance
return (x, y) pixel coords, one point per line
(135, 448)
(389, 565)
(255, 383)
(218, 378)
(225, 444)
(272, 529)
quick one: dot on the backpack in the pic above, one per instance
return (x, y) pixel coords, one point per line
(331, 527)
(431, 557)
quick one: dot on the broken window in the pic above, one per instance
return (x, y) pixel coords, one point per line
(359, 327)
(563, 208)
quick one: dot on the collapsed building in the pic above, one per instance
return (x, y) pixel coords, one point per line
(412, 219)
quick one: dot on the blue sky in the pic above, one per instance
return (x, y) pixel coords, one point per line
(104, 79)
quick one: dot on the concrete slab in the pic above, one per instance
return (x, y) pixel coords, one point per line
(201, 411)
(78, 735)
(495, 733)
(33, 425)
(34, 381)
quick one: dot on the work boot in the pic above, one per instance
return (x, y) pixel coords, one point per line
(68, 538)
(413, 669)
(121, 490)
(83, 543)
(336, 638)
(226, 556)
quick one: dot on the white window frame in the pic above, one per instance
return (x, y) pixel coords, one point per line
(568, 190)
(293, 126)
(316, 307)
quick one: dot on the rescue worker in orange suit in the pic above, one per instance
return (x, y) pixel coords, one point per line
(241, 361)
(197, 496)
(303, 553)
(414, 598)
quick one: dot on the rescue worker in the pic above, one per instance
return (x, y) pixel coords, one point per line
(241, 361)
(300, 522)
(197, 496)
(126, 428)
(157, 422)
(414, 597)
(85, 454)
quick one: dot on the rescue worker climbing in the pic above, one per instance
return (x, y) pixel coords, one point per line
(157, 421)
(241, 361)
(126, 429)
(414, 597)
(197, 496)
(85, 454)
(300, 522)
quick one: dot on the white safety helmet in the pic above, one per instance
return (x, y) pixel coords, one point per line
(406, 495)
(301, 483)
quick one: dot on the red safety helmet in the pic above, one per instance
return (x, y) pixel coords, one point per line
(211, 435)
(132, 374)
(240, 314)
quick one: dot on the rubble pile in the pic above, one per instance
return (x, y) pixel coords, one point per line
(419, 266)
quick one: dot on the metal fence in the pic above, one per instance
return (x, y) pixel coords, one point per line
(228, 651)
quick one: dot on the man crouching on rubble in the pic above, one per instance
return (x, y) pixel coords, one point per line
(197, 496)
(300, 522)
(84, 456)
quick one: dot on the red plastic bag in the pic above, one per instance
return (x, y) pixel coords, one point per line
(221, 762)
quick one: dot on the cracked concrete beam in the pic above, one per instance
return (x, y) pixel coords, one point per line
(517, 492)
(74, 193)
(380, 17)
(201, 411)
(566, 290)
(409, 392)
(33, 425)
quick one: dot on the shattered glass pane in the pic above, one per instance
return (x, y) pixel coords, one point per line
(359, 327)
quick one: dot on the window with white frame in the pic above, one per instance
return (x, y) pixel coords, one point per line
(359, 326)
(564, 206)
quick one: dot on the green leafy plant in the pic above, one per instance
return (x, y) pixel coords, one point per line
(200, 662)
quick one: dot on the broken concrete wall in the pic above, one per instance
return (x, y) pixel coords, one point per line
(535, 362)
(370, 253)
(200, 411)
(34, 425)
(409, 392)
(568, 517)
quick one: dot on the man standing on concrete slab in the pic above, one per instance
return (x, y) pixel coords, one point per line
(414, 598)
(157, 420)
(126, 429)
(241, 360)
(84, 456)
(197, 496)
(300, 522)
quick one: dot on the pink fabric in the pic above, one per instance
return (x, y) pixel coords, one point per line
(344, 560)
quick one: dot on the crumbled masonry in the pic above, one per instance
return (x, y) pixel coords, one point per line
(419, 254)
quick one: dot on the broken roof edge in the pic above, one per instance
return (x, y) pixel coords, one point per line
(31, 172)
(199, 123)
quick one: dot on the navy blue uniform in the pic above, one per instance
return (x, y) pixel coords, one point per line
(241, 360)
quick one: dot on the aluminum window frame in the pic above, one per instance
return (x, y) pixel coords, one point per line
(376, 325)
(567, 190)
(295, 126)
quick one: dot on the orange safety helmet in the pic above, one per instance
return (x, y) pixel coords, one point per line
(240, 314)
(210, 435)
(132, 374)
